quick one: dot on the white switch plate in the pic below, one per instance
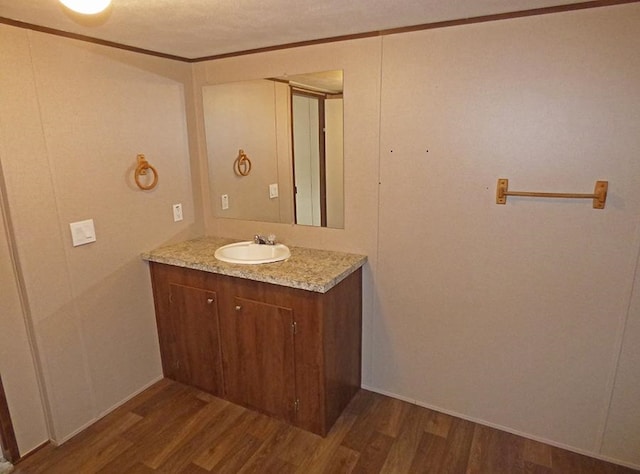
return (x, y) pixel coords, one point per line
(82, 232)
(177, 212)
(224, 201)
(273, 190)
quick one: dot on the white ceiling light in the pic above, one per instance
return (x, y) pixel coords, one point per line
(86, 7)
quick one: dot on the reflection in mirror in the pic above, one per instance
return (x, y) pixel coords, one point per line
(291, 130)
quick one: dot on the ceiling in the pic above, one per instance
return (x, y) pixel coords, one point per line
(202, 28)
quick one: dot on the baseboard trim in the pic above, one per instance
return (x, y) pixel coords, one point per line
(502, 428)
(58, 442)
(31, 453)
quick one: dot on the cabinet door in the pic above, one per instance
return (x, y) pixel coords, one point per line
(264, 365)
(196, 354)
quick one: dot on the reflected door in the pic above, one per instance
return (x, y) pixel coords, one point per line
(309, 159)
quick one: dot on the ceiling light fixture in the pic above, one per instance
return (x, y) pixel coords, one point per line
(86, 7)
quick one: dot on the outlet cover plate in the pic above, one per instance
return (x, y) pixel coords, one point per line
(82, 232)
(177, 212)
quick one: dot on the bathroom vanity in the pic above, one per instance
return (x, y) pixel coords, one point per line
(281, 338)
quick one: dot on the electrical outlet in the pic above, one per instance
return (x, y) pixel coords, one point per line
(224, 201)
(177, 212)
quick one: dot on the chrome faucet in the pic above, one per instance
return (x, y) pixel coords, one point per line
(265, 240)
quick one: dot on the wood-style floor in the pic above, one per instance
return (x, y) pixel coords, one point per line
(172, 428)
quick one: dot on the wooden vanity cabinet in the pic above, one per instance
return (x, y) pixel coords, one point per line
(290, 353)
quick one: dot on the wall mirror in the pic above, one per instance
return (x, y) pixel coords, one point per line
(275, 149)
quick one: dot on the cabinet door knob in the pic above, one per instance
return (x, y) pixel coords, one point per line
(238, 308)
(209, 300)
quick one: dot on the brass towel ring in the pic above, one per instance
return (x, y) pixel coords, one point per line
(242, 165)
(141, 170)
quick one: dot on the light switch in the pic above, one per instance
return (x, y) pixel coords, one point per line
(273, 190)
(224, 201)
(82, 232)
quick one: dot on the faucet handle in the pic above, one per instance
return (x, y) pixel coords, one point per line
(261, 239)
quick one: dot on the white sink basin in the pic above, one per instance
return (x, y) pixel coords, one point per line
(250, 253)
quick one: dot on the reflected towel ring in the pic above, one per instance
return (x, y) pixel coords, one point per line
(141, 170)
(242, 164)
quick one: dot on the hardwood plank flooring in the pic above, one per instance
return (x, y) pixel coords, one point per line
(172, 428)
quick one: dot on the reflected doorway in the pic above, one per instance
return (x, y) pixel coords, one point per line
(317, 135)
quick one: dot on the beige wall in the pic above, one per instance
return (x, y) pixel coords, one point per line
(520, 316)
(621, 438)
(74, 116)
(510, 315)
(17, 365)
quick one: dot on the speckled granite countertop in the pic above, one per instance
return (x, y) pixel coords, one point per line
(307, 269)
